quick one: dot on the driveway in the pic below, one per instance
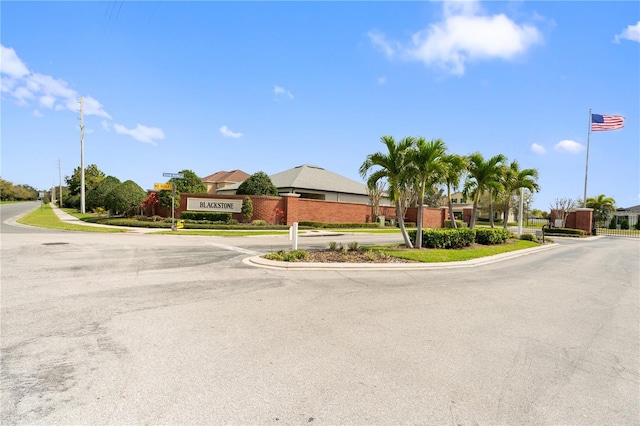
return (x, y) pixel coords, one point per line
(155, 329)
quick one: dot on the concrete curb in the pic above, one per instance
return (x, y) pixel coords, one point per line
(309, 266)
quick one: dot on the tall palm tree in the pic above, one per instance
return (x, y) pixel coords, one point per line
(513, 180)
(426, 159)
(454, 166)
(392, 166)
(481, 176)
(602, 206)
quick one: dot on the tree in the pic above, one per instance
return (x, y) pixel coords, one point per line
(247, 209)
(95, 197)
(190, 183)
(392, 167)
(513, 180)
(453, 168)
(602, 207)
(125, 198)
(563, 206)
(426, 159)
(257, 184)
(92, 177)
(481, 176)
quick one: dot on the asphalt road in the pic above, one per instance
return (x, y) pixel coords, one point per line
(151, 329)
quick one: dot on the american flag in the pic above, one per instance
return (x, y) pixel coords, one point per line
(601, 122)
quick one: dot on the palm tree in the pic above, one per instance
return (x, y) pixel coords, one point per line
(481, 176)
(426, 159)
(454, 166)
(602, 206)
(513, 180)
(392, 166)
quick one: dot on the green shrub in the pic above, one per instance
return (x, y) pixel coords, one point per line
(333, 245)
(459, 223)
(321, 225)
(353, 245)
(259, 222)
(487, 236)
(247, 209)
(528, 237)
(567, 232)
(637, 225)
(295, 255)
(232, 222)
(279, 255)
(209, 216)
(624, 224)
(407, 225)
(156, 218)
(445, 238)
(613, 224)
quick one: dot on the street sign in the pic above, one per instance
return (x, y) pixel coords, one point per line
(173, 175)
(162, 186)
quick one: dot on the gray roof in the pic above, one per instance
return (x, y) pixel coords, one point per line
(317, 178)
(312, 178)
(634, 209)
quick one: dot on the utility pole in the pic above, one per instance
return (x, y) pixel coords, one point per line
(82, 209)
(60, 177)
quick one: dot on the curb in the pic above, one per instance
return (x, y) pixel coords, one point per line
(260, 262)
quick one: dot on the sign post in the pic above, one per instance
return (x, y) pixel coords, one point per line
(173, 196)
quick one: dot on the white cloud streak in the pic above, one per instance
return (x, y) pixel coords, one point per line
(538, 149)
(228, 133)
(465, 34)
(569, 146)
(282, 91)
(141, 133)
(632, 33)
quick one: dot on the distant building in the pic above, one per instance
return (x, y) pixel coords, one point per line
(223, 179)
(630, 214)
(313, 182)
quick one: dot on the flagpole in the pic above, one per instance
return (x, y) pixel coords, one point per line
(586, 169)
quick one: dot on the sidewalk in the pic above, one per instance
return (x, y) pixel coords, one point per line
(66, 217)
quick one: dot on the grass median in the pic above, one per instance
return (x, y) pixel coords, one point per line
(45, 217)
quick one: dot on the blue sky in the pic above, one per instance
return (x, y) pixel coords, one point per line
(212, 86)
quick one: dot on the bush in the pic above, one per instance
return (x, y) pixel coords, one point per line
(247, 209)
(445, 238)
(125, 198)
(232, 222)
(459, 223)
(257, 184)
(487, 236)
(72, 201)
(624, 224)
(259, 222)
(283, 256)
(613, 224)
(333, 245)
(353, 245)
(309, 224)
(567, 232)
(407, 225)
(637, 225)
(528, 237)
(208, 216)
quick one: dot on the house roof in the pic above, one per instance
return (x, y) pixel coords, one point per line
(316, 178)
(313, 178)
(224, 176)
(634, 209)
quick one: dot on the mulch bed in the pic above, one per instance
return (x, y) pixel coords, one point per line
(352, 256)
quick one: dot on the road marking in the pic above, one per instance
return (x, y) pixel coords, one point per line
(233, 248)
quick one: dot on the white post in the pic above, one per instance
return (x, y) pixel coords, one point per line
(173, 200)
(293, 235)
(520, 212)
(586, 168)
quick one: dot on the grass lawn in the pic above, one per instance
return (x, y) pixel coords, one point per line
(443, 255)
(47, 218)
(364, 230)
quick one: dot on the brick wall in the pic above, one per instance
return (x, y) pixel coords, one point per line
(431, 217)
(577, 219)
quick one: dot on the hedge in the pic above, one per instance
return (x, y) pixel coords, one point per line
(488, 236)
(210, 216)
(567, 232)
(459, 223)
(338, 225)
(445, 238)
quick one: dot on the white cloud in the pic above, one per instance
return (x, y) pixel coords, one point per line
(105, 125)
(228, 133)
(572, 147)
(24, 85)
(37, 113)
(282, 91)
(465, 34)
(10, 64)
(632, 32)
(538, 149)
(141, 133)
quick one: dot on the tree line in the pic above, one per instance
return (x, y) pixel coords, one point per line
(412, 167)
(12, 192)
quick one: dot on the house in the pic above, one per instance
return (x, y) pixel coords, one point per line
(313, 182)
(223, 179)
(630, 214)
